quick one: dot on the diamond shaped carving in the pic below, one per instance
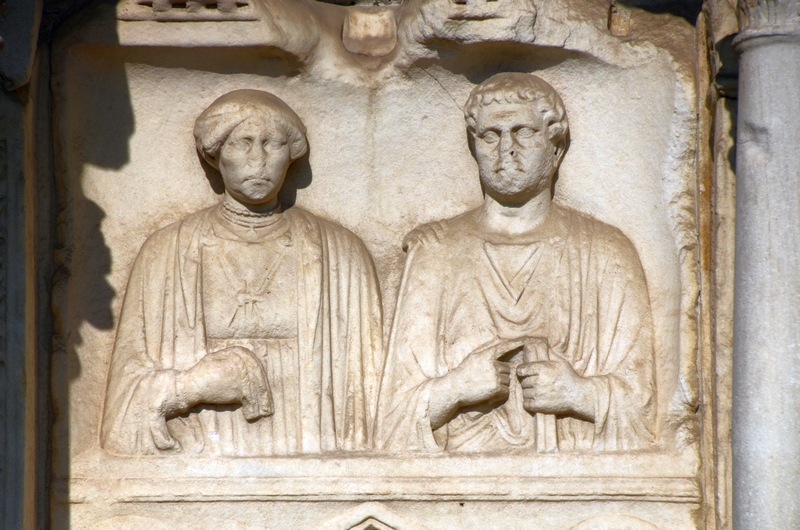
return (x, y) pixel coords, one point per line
(371, 516)
(372, 524)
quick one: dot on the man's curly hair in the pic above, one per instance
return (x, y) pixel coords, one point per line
(513, 87)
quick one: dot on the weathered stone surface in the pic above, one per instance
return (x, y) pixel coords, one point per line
(766, 454)
(296, 288)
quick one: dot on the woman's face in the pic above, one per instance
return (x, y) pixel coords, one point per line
(253, 161)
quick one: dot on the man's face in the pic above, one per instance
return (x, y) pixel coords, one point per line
(515, 156)
(253, 161)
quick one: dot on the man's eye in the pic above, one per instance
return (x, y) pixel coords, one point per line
(490, 137)
(525, 132)
(275, 143)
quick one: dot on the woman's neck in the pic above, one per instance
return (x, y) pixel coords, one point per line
(250, 216)
(267, 208)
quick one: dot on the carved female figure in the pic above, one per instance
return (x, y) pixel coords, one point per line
(246, 329)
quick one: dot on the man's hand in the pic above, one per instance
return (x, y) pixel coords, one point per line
(553, 387)
(480, 378)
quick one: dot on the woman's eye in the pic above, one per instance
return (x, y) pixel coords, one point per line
(243, 143)
(490, 137)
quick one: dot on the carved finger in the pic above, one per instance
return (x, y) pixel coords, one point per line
(529, 382)
(554, 365)
(423, 235)
(162, 438)
(502, 368)
(529, 393)
(529, 369)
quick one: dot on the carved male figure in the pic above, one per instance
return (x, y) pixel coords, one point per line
(519, 270)
(245, 329)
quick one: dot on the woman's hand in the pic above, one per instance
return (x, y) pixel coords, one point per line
(229, 376)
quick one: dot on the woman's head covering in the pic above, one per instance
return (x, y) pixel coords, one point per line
(215, 124)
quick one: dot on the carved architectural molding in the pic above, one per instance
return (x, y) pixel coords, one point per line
(371, 516)
(192, 10)
(615, 522)
(768, 18)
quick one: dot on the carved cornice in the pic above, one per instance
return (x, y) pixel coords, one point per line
(188, 11)
(768, 19)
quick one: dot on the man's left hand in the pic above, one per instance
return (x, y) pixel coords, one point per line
(553, 387)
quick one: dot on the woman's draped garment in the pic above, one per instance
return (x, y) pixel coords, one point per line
(300, 293)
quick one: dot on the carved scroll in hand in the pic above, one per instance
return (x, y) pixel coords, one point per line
(536, 351)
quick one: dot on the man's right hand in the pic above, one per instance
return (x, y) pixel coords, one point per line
(482, 377)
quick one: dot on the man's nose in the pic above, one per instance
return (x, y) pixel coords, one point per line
(507, 144)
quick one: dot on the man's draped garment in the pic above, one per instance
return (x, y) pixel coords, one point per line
(300, 293)
(575, 282)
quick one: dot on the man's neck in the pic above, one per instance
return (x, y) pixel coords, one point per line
(515, 219)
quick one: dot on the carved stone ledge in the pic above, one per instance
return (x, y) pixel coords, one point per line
(683, 490)
(645, 477)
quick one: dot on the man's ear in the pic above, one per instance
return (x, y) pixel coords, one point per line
(471, 141)
(561, 149)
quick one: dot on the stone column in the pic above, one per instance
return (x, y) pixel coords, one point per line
(766, 394)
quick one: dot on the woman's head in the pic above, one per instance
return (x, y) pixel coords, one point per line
(252, 137)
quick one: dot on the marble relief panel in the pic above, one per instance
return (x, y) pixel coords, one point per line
(429, 251)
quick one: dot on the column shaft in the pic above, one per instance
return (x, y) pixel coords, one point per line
(766, 393)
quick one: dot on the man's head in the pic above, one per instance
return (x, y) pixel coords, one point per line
(252, 137)
(519, 128)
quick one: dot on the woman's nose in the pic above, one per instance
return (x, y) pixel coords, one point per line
(257, 156)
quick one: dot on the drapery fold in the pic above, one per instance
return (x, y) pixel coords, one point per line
(161, 330)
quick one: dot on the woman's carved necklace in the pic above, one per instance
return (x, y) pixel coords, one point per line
(248, 219)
